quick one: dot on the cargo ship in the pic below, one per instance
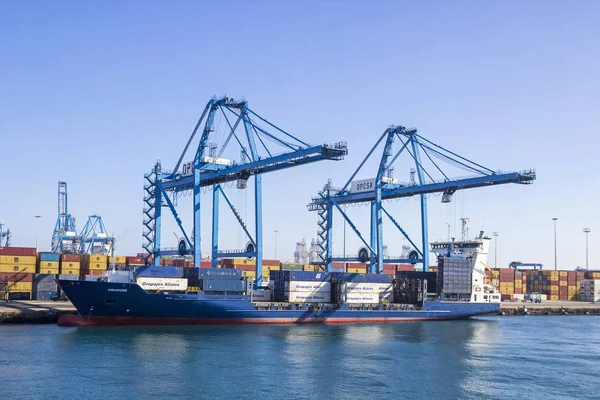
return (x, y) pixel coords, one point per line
(191, 296)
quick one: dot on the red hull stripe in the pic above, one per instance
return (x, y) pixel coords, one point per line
(75, 320)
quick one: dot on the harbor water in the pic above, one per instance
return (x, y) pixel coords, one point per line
(488, 357)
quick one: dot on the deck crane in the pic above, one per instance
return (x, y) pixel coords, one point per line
(4, 236)
(94, 239)
(64, 237)
(420, 152)
(211, 169)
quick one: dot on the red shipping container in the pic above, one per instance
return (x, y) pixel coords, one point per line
(337, 264)
(15, 277)
(179, 262)
(405, 267)
(70, 257)
(203, 264)
(518, 291)
(95, 272)
(271, 263)
(136, 260)
(17, 251)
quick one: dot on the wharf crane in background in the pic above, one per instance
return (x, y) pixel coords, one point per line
(211, 169)
(430, 178)
(65, 239)
(517, 264)
(4, 236)
(94, 239)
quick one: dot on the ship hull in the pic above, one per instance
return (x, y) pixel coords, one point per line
(100, 303)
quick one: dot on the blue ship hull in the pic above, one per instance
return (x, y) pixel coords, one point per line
(101, 303)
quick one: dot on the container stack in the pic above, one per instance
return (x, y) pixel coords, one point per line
(93, 264)
(219, 280)
(301, 286)
(17, 267)
(456, 275)
(70, 264)
(573, 285)
(592, 275)
(369, 293)
(507, 280)
(44, 286)
(48, 263)
(520, 282)
(590, 290)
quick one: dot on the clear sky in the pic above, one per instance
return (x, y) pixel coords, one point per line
(93, 93)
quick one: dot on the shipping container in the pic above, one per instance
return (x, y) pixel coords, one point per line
(158, 271)
(362, 298)
(44, 296)
(220, 273)
(19, 286)
(69, 277)
(307, 286)
(49, 257)
(360, 287)
(309, 268)
(261, 295)
(4, 277)
(22, 260)
(18, 251)
(118, 260)
(70, 257)
(19, 295)
(223, 285)
(308, 297)
(17, 268)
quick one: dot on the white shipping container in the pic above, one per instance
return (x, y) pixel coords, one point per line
(307, 286)
(362, 287)
(261, 295)
(304, 297)
(362, 298)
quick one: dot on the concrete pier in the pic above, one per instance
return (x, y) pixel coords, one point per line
(34, 312)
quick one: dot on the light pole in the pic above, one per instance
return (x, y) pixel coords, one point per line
(586, 231)
(275, 232)
(37, 230)
(495, 234)
(555, 258)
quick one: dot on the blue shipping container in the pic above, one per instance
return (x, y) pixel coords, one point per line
(223, 285)
(159, 271)
(379, 278)
(349, 277)
(49, 257)
(306, 276)
(219, 273)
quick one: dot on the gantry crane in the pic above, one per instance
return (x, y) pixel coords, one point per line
(384, 187)
(94, 239)
(4, 236)
(213, 170)
(64, 238)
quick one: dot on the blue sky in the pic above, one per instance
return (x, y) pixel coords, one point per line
(95, 92)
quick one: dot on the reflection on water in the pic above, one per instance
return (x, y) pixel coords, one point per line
(455, 359)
